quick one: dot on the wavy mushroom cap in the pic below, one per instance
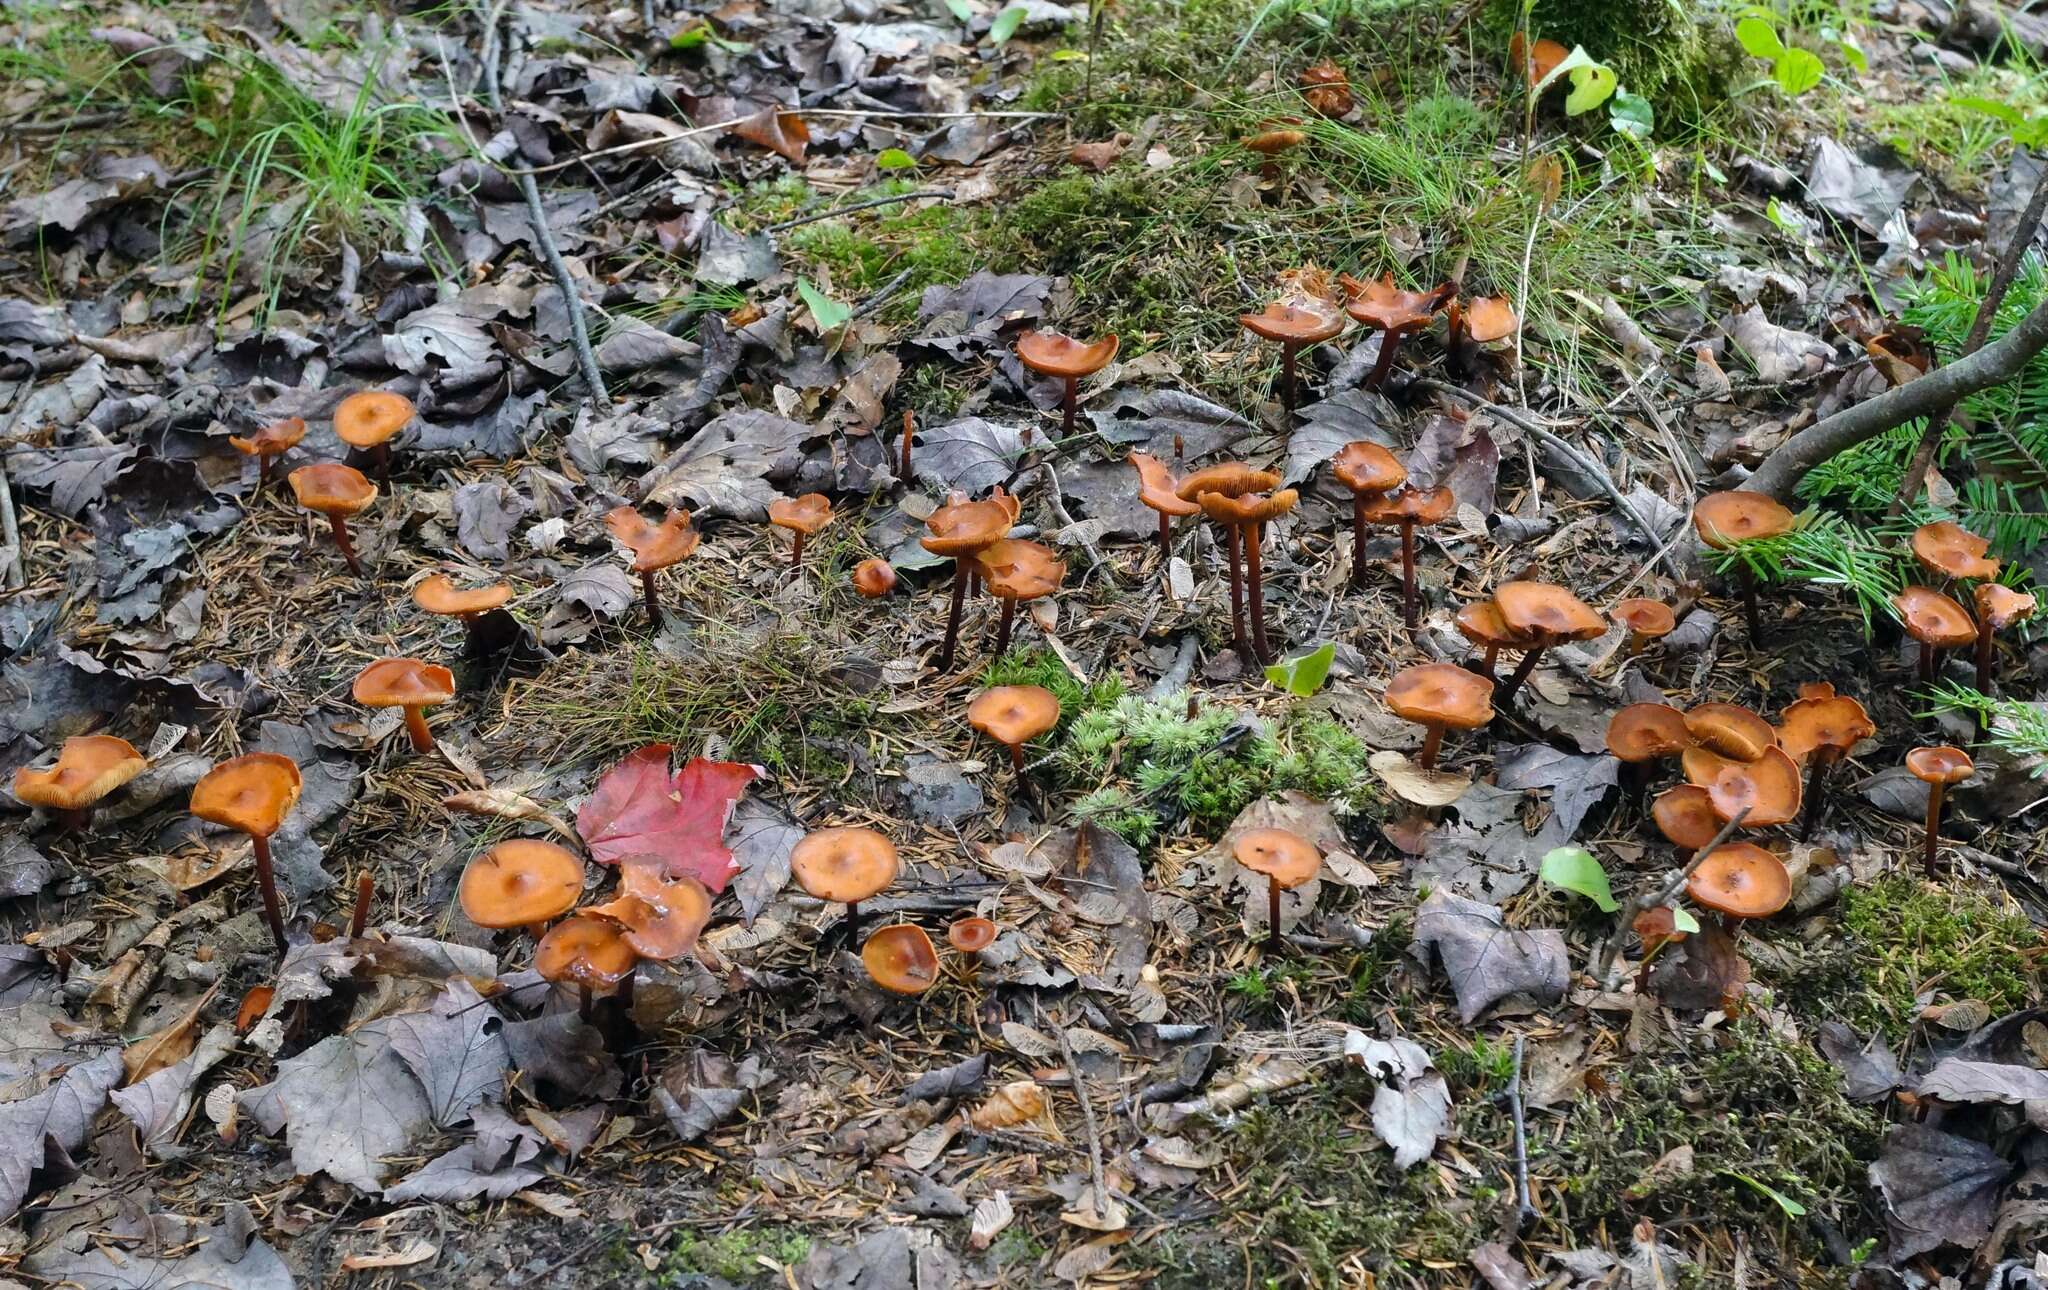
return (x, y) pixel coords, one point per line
(900, 959)
(1157, 486)
(1249, 508)
(805, 515)
(1829, 723)
(1291, 325)
(273, 440)
(1933, 619)
(1646, 731)
(1727, 518)
(332, 488)
(662, 917)
(251, 793)
(965, 528)
(1441, 694)
(1649, 619)
(370, 417)
(1900, 355)
(440, 595)
(874, 578)
(520, 882)
(585, 950)
(1768, 787)
(1480, 622)
(1014, 715)
(844, 865)
(1231, 478)
(1999, 606)
(1053, 354)
(1286, 857)
(1942, 765)
(1731, 730)
(1383, 305)
(88, 767)
(971, 935)
(1546, 614)
(403, 683)
(654, 546)
(1271, 143)
(1410, 505)
(1948, 550)
(1741, 880)
(1685, 816)
(1365, 467)
(1537, 59)
(1490, 318)
(1015, 569)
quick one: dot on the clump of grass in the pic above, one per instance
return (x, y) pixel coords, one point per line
(1948, 940)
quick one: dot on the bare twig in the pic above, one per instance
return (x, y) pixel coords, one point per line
(1525, 1208)
(837, 211)
(641, 145)
(1087, 1109)
(10, 532)
(1603, 961)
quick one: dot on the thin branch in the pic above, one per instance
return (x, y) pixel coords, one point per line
(1603, 962)
(815, 216)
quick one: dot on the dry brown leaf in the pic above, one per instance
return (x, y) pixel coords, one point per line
(507, 805)
(1084, 1261)
(1012, 1104)
(992, 1213)
(419, 1250)
(167, 1047)
(778, 131)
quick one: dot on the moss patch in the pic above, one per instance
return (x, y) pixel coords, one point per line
(1913, 938)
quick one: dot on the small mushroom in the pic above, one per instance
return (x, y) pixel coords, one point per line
(1014, 715)
(1740, 880)
(1439, 697)
(407, 683)
(661, 916)
(1655, 927)
(1935, 621)
(338, 492)
(1536, 59)
(1730, 730)
(1248, 515)
(88, 767)
(1271, 143)
(439, 595)
(1643, 734)
(588, 952)
(1480, 622)
(369, 419)
(1727, 520)
(844, 865)
(1230, 479)
(523, 882)
(1156, 486)
(252, 794)
(1017, 571)
(1051, 354)
(1286, 859)
(1326, 88)
(1291, 328)
(1408, 507)
(268, 444)
(1998, 607)
(654, 546)
(1370, 472)
(1394, 313)
(961, 531)
(1820, 728)
(1685, 816)
(969, 937)
(1768, 788)
(803, 516)
(1543, 615)
(1645, 620)
(1938, 768)
(1947, 550)
(900, 959)
(1474, 326)
(874, 578)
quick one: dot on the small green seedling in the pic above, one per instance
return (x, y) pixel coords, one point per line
(1792, 1208)
(828, 313)
(1795, 70)
(1304, 674)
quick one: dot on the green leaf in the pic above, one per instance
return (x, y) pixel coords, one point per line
(1304, 674)
(1070, 55)
(1683, 921)
(1852, 52)
(1592, 85)
(1632, 116)
(828, 313)
(961, 10)
(1575, 869)
(1792, 1208)
(698, 32)
(1798, 70)
(1572, 62)
(1759, 38)
(894, 159)
(1006, 23)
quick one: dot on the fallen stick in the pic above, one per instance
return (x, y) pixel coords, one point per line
(1525, 1208)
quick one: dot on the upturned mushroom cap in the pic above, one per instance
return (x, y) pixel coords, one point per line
(1291, 325)
(1490, 318)
(654, 546)
(805, 515)
(88, 767)
(403, 683)
(1999, 606)
(1769, 787)
(874, 578)
(251, 793)
(1649, 619)
(1831, 722)
(440, 595)
(273, 440)
(661, 917)
(1424, 506)
(331, 488)
(1156, 486)
(1941, 765)
(1731, 730)
(1015, 569)
(1014, 715)
(1741, 880)
(971, 935)
(1383, 305)
(1231, 478)
(1933, 619)
(1948, 550)
(1546, 614)
(900, 959)
(370, 417)
(1249, 508)
(586, 951)
(1646, 731)
(1685, 816)
(1365, 467)
(843, 865)
(964, 528)
(519, 882)
(1441, 694)
(1055, 355)
(1287, 858)
(1480, 622)
(1728, 518)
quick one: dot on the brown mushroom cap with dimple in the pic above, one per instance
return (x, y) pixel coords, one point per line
(1480, 622)
(520, 882)
(1830, 721)
(661, 916)
(1942, 765)
(1646, 731)
(1490, 318)
(900, 958)
(1648, 619)
(1015, 569)
(440, 595)
(1701, 764)
(1769, 788)
(403, 683)
(1382, 304)
(1291, 325)
(805, 515)
(1286, 857)
(1248, 508)
(1156, 486)
(971, 935)
(1999, 606)
(1726, 518)
(1231, 478)
(1948, 550)
(1741, 880)
(1933, 619)
(1731, 730)
(585, 950)
(1013, 715)
(965, 528)
(1052, 354)
(88, 767)
(1546, 614)
(1365, 467)
(1685, 816)
(273, 440)
(370, 417)
(874, 578)
(845, 865)
(251, 793)
(1441, 694)
(1424, 506)
(654, 546)
(332, 488)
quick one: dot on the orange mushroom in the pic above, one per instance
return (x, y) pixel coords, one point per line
(439, 595)
(900, 959)
(803, 516)
(874, 578)
(1156, 486)
(523, 882)
(661, 916)
(1947, 550)
(88, 767)
(338, 492)
(1543, 615)
(971, 935)
(1730, 730)
(268, 444)
(1480, 622)
(1292, 328)
(654, 546)
(1476, 325)
(1018, 571)
(1727, 520)
(1370, 472)
(1408, 507)
(252, 794)
(1537, 59)
(1439, 697)
(1230, 479)
(1051, 354)
(1271, 143)
(1998, 607)
(961, 531)
(407, 683)
(1326, 88)
(844, 865)
(1935, 621)
(1247, 515)
(1656, 927)
(1938, 768)
(1286, 859)
(1394, 313)
(1014, 715)
(1820, 729)
(1642, 734)
(1685, 816)
(369, 419)
(588, 952)
(1646, 620)
(1740, 880)
(1768, 788)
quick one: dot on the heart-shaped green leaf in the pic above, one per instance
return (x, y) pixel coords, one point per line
(1006, 23)
(1304, 674)
(1759, 38)
(1575, 869)
(1798, 70)
(828, 313)
(1592, 85)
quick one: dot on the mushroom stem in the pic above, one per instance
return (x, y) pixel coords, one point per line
(1165, 539)
(1933, 830)
(348, 552)
(1017, 758)
(1636, 780)
(1256, 583)
(1519, 675)
(71, 819)
(909, 423)
(1287, 350)
(652, 597)
(416, 726)
(1491, 656)
(1431, 742)
(366, 887)
(960, 576)
(852, 922)
(1390, 341)
(624, 992)
(796, 553)
(1747, 577)
(1272, 914)
(1927, 662)
(382, 456)
(262, 474)
(266, 882)
(1408, 605)
(1238, 639)
(1987, 661)
(1073, 397)
(1822, 763)
(1003, 626)
(1358, 541)
(586, 1005)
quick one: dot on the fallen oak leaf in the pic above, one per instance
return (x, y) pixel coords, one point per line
(639, 809)
(780, 131)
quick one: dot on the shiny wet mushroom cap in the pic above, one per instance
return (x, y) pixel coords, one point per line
(1947, 550)
(1489, 318)
(654, 546)
(586, 950)
(1768, 788)
(1645, 619)
(1647, 731)
(1230, 478)
(661, 916)
(1933, 618)
(368, 418)
(1289, 324)
(1685, 816)
(88, 767)
(272, 440)
(1283, 856)
(1731, 730)
(1014, 715)
(1728, 518)
(1999, 606)
(1052, 354)
(439, 595)
(1544, 615)
(874, 578)
(1740, 880)
(843, 865)
(971, 935)
(408, 683)
(251, 793)
(1829, 724)
(806, 514)
(900, 958)
(1157, 488)
(1941, 765)
(1365, 467)
(1480, 622)
(519, 883)
(331, 488)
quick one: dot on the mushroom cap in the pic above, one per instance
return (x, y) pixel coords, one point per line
(403, 683)
(1291, 325)
(900, 959)
(1942, 765)
(662, 916)
(1685, 816)
(1231, 478)
(1383, 305)
(1731, 730)
(1946, 549)
(521, 881)
(1272, 143)
(1490, 318)
(844, 865)
(1536, 60)
(1248, 508)
(1287, 858)
(1829, 723)
(88, 767)
(1014, 714)
(273, 440)
(1480, 622)
(1769, 787)
(1646, 618)
(332, 488)
(440, 595)
(1365, 467)
(370, 417)
(1647, 731)
(1741, 880)
(1734, 516)
(654, 546)
(1015, 569)
(1053, 354)
(1999, 606)
(1656, 925)
(1441, 694)
(586, 950)
(806, 514)
(971, 935)
(1156, 486)
(1410, 505)
(251, 793)
(1546, 614)
(874, 578)
(964, 528)
(1933, 619)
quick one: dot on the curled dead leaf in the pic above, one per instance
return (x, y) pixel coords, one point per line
(507, 805)
(1015, 1103)
(779, 131)
(1411, 783)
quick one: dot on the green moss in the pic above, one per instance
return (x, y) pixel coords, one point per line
(858, 253)
(1951, 940)
(733, 1255)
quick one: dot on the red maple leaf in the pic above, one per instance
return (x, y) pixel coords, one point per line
(639, 809)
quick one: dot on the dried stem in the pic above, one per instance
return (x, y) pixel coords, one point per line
(960, 580)
(652, 597)
(266, 882)
(366, 888)
(1933, 830)
(348, 552)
